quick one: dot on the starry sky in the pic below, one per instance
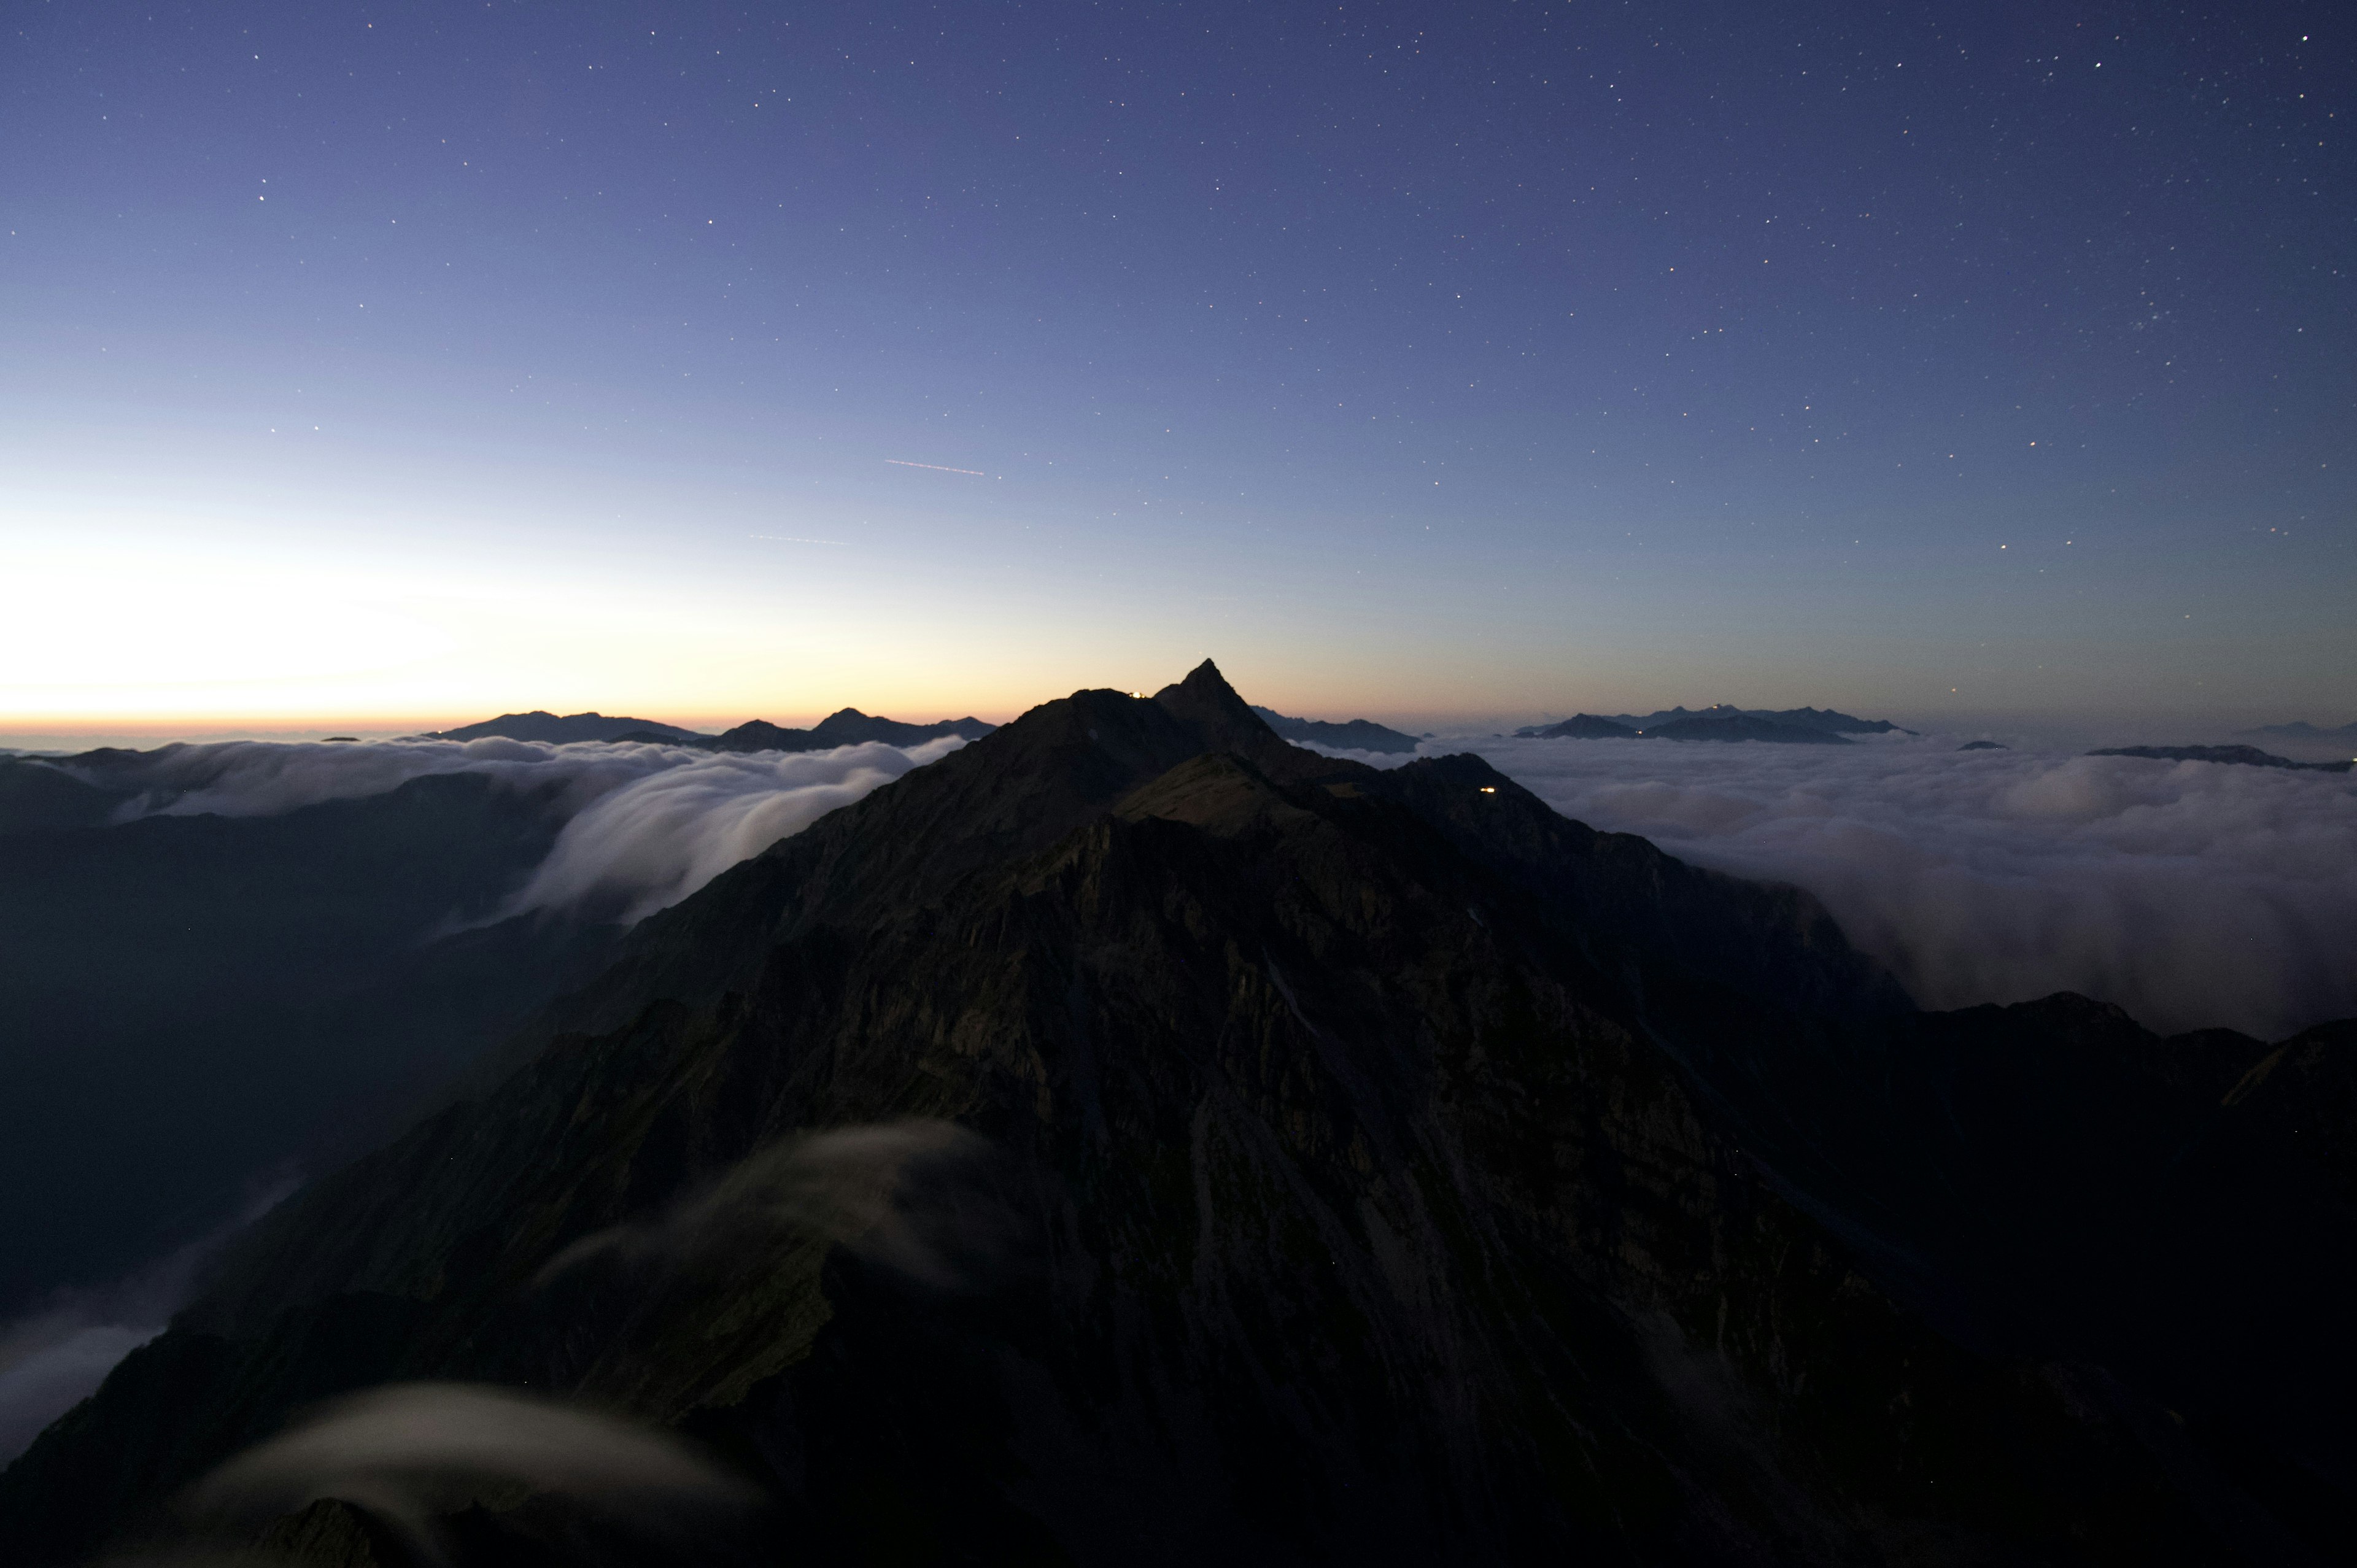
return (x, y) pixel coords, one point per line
(1422, 363)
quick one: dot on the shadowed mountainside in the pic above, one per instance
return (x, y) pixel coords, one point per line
(1383, 1167)
(190, 1000)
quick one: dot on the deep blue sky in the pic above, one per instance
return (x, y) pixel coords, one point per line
(1413, 361)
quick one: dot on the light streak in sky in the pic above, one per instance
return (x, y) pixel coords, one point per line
(936, 467)
(789, 539)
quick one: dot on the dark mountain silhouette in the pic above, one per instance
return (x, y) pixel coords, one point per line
(847, 727)
(2243, 756)
(1983, 746)
(1380, 1167)
(34, 794)
(1581, 727)
(1356, 735)
(549, 727)
(1802, 727)
(1743, 726)
(1829, 720)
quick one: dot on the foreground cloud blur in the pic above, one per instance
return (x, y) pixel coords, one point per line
(410, 1453)
(2191, 894)
(902, 1194)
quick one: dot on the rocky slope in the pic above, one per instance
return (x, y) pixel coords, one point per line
(1316, 1164)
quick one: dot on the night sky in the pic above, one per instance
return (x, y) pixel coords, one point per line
(1415, 361)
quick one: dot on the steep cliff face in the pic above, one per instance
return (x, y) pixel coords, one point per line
(1294, 1162)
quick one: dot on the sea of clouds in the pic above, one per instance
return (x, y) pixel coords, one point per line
(2191, 894)
(645, 825)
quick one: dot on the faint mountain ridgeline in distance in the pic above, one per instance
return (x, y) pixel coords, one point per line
(847, 727)
(2237, 756)
(1720, 721)
(1356, 735)
(556, 730)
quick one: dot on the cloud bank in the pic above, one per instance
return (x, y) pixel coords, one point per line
(645, 825)
(655, 840)
(2190, 893)
(267, 778)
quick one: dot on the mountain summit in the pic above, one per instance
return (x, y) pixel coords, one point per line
(1132, 1138)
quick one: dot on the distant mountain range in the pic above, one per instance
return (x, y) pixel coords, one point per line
(2244, 756)
(542, 725)
(1357, 734)
(1720, 721)
(847, 727)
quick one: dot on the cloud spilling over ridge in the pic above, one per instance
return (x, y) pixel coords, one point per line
(266, 779)
(645, 825)
(655, 840)
(2191, 894)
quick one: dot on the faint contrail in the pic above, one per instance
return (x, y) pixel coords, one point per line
(936, 467)
(789, 539)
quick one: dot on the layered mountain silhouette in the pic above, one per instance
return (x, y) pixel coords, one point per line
(1713, 724)
(1299, 1161)
(1356, 735)
(845, 726)
(556, 730)
(2240, 756)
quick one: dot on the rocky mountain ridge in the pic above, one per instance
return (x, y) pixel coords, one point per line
(1384, 1167)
